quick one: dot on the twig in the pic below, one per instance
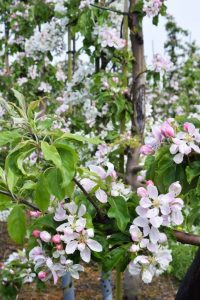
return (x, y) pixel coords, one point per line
(112, 10)
(21, 201)
(187, 238)
(89, 198)
(29, 205)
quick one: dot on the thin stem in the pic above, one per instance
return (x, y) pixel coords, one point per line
(89, 198)
(21, 201)
(109, 9)
(118, 286)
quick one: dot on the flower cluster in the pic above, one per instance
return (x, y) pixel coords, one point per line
(154, 211)
(70, 236)
(181, 142)
(109, 176)
(49, 38)
(161, 64)
(108, 37)
(152, 7)
(17, 267)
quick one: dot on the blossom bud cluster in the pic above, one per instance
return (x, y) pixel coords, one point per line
(181, 142)
(154, 211)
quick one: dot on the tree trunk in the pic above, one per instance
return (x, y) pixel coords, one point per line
(137, 92)
(189, 288)
(137, 97)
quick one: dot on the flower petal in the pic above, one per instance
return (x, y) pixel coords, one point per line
(101, 196)
(94, 245)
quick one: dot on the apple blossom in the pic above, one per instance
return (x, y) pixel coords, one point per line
(152, 7)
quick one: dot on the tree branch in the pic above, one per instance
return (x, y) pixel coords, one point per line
(187, 238)
(101, 217)
(30, 205)
(110, 9)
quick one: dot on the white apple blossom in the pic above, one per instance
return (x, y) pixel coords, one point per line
(185, 142)
(148, 266)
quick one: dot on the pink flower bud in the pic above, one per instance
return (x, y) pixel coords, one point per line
(59, 247)
(186, 126)
(34, 214)
(149, 182)
(142, 192)
(146, 150)
(167, 130)
(56, 239)
(45, 236)
(36, 233)
(42, 275)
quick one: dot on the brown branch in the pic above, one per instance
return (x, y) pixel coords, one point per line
(30, 205)
(187, 238)
(101, 217)
(109, 9)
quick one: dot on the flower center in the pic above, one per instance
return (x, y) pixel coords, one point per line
(156, 203)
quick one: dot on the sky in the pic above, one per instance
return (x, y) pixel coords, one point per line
(186, 14)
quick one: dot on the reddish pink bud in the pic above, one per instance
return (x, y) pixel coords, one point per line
(42, 275)
(36, 233)
(56, 239)
(59, 247)
(149, 182)
(167, 130)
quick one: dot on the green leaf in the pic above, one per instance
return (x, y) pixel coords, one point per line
(21, 100)
(69, 160)
(8, 137)
(42, 222)
(119, 211)
(42, 195)
(193, 170)
(50, 153)
(113, 258)
(31, 108)
(54, 180)
(5, 202)
(17, 224)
